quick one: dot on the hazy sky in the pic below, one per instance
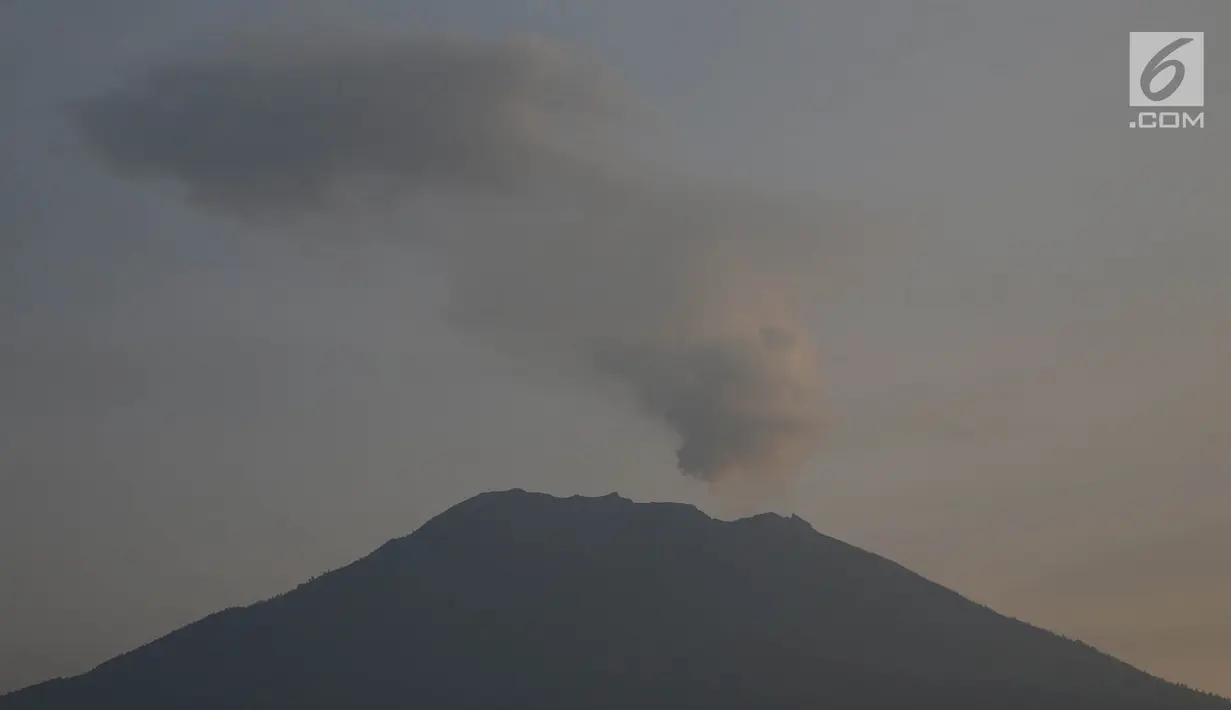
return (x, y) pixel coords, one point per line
(1024, 359)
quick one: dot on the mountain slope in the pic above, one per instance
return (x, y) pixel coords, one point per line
(521, 600)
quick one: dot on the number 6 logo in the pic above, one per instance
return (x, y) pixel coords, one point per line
(1167, 69)
(1157, 65)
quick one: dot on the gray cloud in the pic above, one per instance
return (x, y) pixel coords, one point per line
(283, 125)
(744, 404)
(491, 156)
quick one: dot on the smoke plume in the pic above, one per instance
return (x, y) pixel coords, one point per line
(496, 158)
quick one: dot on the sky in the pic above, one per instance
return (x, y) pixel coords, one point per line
(897, 267)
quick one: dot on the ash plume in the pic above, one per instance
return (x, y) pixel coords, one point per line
(496, 158)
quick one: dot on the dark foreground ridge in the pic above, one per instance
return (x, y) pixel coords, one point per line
(522, 601)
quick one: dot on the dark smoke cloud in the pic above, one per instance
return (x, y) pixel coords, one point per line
(280, 126)
(682, 293)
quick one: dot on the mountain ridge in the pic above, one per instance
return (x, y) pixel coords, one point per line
(605, 602)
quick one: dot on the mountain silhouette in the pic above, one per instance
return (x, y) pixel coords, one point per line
(524, 601)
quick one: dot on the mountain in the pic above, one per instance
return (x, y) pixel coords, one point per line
(522, 601)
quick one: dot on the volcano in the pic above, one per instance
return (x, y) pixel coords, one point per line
(524, 601)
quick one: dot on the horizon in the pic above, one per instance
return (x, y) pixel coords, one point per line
(281, 281)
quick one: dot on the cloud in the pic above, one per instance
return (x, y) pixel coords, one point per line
(284, 125)
(744, 404)
(495, 157)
